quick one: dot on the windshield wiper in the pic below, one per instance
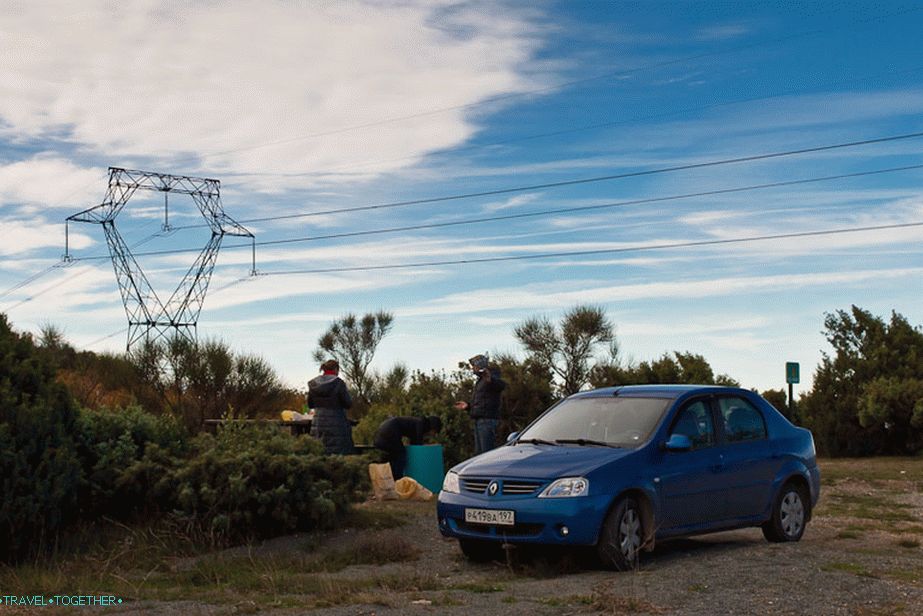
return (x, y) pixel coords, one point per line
(537, 441)
(584, 441)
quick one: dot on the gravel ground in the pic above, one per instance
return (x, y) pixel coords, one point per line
(850, 562)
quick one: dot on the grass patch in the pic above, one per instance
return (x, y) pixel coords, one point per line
(479, 587)
(848, 534)
(447, 600)
(567, 601)
(853, 568)
(835, 470)
(605, 601)
(378, 549)
(877, 508)
(379, 517)
(697, 588)
(911, 576)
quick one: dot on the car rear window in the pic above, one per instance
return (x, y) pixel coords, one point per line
(621, 421)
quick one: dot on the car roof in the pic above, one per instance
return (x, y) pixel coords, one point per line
(657, 391)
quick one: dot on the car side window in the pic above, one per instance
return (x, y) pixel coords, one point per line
(695, 422)
(742, 421)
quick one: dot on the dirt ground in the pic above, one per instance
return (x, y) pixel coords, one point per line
(861, 554)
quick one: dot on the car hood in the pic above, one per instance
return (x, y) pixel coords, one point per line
(530, 461)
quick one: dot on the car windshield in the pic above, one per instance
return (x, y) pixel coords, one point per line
(616, 421)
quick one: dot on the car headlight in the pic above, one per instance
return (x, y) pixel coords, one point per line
(450, 483)
(567, 487)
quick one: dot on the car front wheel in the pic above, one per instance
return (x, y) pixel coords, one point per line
(622, 535)
(789, 515)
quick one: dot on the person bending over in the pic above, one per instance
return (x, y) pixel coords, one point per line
(392, 432)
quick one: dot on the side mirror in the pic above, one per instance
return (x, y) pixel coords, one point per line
(512, 436)
(678, 442)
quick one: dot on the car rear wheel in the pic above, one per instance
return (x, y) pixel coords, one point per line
(479, 551)
(622, 535)
(789, 515)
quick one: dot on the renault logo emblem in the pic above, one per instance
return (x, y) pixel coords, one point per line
(492, 488)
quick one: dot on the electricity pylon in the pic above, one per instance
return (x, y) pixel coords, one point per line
(149, 318)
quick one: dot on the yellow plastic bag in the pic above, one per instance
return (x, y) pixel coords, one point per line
(408, 488)
(382, 481)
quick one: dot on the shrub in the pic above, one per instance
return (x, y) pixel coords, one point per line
(110, 445)
(253, 481)
(39, 470)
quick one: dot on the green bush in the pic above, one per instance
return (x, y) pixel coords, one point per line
(59, 465)
(254, 481)
(110, 445)
(39, 469)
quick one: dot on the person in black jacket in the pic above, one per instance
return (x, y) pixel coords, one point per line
(484, 407)
(392, 431)
(328, 396)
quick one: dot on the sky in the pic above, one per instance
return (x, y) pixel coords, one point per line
(300, 109)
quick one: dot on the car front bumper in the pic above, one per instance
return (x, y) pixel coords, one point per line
(554, 521)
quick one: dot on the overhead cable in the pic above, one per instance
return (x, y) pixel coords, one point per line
(601, 251)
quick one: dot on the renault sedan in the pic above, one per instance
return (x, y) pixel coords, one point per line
(622, 467)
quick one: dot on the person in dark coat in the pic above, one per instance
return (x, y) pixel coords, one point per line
(392, 432)
(484, 407)
(328, 396)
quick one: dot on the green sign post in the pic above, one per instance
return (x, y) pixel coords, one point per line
(792, 372)
(792, 376)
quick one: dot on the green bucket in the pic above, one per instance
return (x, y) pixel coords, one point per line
(424, 463)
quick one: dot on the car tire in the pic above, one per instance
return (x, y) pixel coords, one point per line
(479, 551)
(622, 536)
(790, 512)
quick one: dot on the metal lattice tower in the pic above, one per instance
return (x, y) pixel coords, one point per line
(149, 318)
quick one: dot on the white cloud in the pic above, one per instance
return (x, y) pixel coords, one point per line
(223, 80)
(49, 181)
(20, 236)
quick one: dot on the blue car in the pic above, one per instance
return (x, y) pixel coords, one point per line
(621, 467)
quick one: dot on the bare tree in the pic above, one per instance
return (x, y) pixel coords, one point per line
(568, 349)
(352, 341)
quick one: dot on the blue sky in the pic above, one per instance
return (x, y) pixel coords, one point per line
(307, 107)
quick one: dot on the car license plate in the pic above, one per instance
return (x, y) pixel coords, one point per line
(490, 516)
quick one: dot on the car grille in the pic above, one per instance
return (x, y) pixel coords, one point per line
(476, 485)
(517, 530)
(509, 487)
(520, 487)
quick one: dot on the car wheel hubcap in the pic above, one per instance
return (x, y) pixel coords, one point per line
(630, 534)
(792, 514)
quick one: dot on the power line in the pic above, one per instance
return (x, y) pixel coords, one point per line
(31, 279)
(569, 210)
(602, 251)
(647, 248)
(556, 184)
(578, 181)
(446, 198)
(38, 275)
